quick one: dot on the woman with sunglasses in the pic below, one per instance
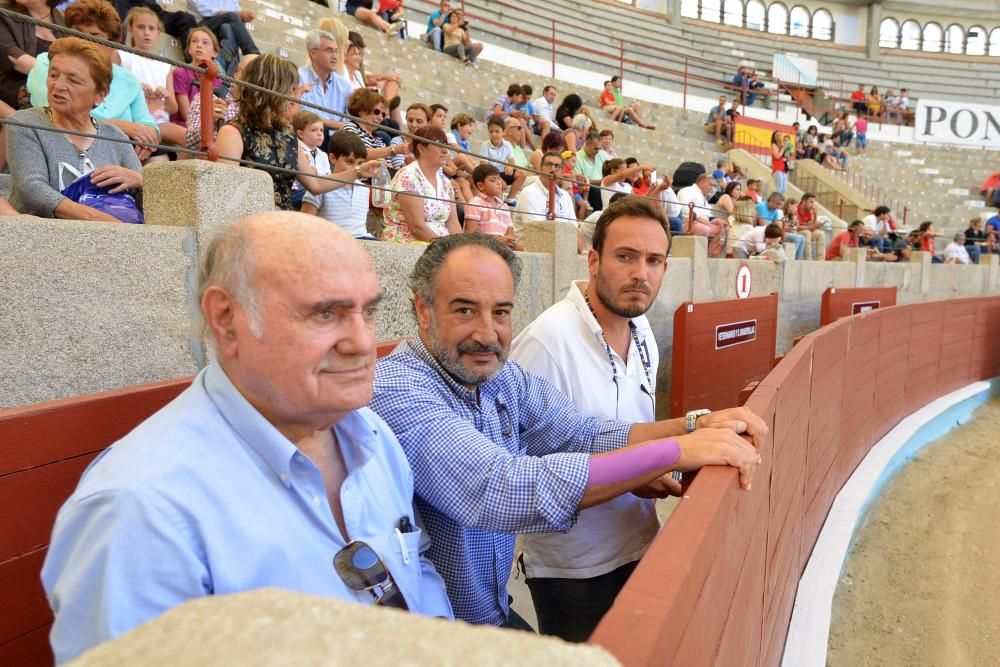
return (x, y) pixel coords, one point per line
(370, 107)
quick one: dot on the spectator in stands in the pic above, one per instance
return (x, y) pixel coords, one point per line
(370, 107)
(533, 202)
(790, 226)
(457, 40)
(642, 180)
(875, 103)
(830, 155)
(215, 483)
(631, 108)
(500, 154)
(578, 186)
(725, 205)
(553, 141)
(615, 178)
(533, 122)
(44, 163)
(770, 211)
(842, 129)
(522, 458)
(810, 142)
(589, 163)
(262, 133)
(201, 45)
(545, 110)
(124, 104)
(460, 165)
(761, 241)
(990, 189)
(778, 168)
(880, 222)
(391, 11)
(364, 11)
(716, 122)
(346, 204)
(513, 133)
(744, 218)
(703, 224)
(903, 105)
(904, 246)
(993, 225)
(309, 131)
(418, 115)
(224, 109)
(325, 87)
(569, 109)
(811, 228)
(505, 105)
(435, 22)
(671, 205)
(753, 190)
(228, 22)
(891, 101)
(342, 36)
(20, 44)
(143, 28)
(847, 239)
(859, 101)
(861, 138)
(423, 206)
(977, 241)
(719, 174)
(927, 236)
(868, 239)
(955, 252)
(487, 213)
(387, 83)
(608, 142)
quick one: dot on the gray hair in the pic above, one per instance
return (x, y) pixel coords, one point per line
(959, 235)
(229, 263)
(423, 278)
(314, 37)
(776, 196)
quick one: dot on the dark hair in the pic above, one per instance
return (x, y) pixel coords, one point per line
(856, 223)
(924, 226)
(881, 210)
(438, 107)
(631, 161)
(495, 120)
(751, 181)
(607, 133)
(611, 165)
(356, 40)
(773, 231)
(346, 143)
(96, 12)
(482, 172)
(527, 89)
(362, 100)
(547, 88)
(732, 186)
(615, 78)
(426, 134)
(514, 89)
(570, 106)
(553, 154)
(807, 195)
(629, 205)
(423, 278)
(617, 197)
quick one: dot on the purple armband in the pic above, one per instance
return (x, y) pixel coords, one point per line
(632, 462)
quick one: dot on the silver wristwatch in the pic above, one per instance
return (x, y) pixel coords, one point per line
(691, 419)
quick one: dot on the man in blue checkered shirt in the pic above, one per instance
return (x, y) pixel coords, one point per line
(496, 450)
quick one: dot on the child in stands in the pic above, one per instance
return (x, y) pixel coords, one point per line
(861, 135)
(487, 213)
(309, 129)
(347, 204)
(202, 44)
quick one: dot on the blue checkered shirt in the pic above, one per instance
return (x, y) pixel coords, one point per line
(510, 458)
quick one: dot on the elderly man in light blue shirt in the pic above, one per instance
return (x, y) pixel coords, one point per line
(326, 88)
(267, 470)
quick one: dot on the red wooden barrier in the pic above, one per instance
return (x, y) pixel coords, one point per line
(44, 448)
(840, 302)
(719, 348)
(718, 584)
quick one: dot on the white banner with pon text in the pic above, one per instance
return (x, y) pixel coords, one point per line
(959, 123)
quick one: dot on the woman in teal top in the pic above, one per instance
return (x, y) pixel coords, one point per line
(125, 104)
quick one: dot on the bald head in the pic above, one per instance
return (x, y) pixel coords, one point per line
(290, 301)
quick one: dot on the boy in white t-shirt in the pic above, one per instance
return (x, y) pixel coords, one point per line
(347, 205)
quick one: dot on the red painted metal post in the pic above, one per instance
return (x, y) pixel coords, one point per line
(840, 211)
(550, 213)
(685, 103)
(553, 48)
(206, 98)
(691, 216)
(906, 211)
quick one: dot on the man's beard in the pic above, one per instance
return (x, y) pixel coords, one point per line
(451, 362)
(606, 293)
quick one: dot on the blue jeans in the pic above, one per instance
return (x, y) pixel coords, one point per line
(780, 181)
(436, 39)
(676, 225)
(974, 252)
(800, 243)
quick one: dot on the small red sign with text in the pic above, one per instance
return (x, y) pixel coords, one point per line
(737, 333)
(864, 306)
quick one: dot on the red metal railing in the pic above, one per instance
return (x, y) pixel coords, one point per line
(207, 100)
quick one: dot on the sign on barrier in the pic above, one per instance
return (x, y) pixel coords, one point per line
(719, 348)
(744, 281)
(840, 302)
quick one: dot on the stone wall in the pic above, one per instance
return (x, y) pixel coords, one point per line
(88, 307)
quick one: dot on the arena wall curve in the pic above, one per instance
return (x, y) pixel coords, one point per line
(718, 584)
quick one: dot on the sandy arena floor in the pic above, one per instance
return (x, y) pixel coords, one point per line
(922, 585)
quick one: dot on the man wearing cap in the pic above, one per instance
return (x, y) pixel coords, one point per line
(268, 470)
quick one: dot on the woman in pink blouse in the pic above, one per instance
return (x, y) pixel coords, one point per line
(429, 211)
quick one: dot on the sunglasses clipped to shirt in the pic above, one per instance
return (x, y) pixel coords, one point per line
(361, 569)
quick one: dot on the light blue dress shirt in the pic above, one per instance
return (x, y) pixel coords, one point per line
(334, 96)
(207, 497)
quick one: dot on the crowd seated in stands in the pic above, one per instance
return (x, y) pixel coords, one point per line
(719, 124)
(458, 40)
(978, 241)
(435, 26)
(423, 201)
(364, 11)
(387, 83)
(611, 102)
(44, 164)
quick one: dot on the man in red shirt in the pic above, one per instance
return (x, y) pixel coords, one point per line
(858, 99)
(848, 239)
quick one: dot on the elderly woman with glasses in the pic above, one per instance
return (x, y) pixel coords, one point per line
(262, 131)
(44, 162)
(370, 107)
(423, 201)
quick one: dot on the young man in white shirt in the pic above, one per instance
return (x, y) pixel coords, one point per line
(533, 202)
(543, 105)
(598, 349)
(347, 204)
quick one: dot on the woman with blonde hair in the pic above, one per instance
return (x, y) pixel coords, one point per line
(744, 218)
(262, 131)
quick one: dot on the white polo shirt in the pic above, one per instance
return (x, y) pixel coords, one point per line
(692, 194)
(533, 204)
(564, 344)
